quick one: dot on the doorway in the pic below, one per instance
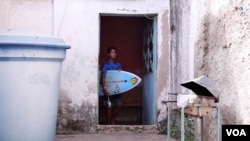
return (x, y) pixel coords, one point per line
(135, 40)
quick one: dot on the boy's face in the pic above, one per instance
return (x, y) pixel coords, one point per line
(112, 54)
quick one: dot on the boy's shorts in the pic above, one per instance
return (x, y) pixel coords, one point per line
(114, 99)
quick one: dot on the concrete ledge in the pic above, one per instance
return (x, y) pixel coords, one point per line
(113, 137)
(148, 129)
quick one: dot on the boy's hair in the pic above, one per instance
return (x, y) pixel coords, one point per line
(111, 48)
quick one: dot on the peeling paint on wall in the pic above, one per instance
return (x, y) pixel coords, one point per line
(163, 67)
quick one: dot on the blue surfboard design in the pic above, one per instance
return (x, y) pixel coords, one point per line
(118, 82)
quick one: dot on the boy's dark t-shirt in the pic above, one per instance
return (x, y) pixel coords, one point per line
(111, 66)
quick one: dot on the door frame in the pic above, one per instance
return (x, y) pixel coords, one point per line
(152, 76)
(155, 17)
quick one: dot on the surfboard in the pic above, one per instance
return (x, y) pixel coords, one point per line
(118, 82)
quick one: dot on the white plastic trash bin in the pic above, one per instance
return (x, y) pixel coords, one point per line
(30, 71)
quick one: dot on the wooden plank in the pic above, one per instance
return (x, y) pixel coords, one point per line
(198, 111)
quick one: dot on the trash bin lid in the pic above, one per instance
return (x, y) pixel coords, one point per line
(26, 40)
(202, 86)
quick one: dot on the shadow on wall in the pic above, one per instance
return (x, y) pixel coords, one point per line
(212, 60)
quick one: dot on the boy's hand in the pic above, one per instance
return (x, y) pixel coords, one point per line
(105, 91)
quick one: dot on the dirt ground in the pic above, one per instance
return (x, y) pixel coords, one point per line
(113, 137)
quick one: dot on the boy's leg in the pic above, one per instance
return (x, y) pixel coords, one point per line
(117, 109)
(108, 110)
(109, 114)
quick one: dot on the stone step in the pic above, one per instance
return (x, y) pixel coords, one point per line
(148, 129)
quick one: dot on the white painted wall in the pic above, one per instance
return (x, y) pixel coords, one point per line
(78, 23)
(26, 17)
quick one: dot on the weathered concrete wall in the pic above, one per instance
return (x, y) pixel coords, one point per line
(185, 19)
(220, 38)
(182, 45)
(26, 17)
(183, 37)
(223, 54)
(78, 23)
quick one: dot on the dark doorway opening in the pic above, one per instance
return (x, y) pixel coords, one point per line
(127, 35)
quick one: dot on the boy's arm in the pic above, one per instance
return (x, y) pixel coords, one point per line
(104, 85)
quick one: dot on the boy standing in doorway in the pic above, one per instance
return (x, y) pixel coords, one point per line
(112, 102)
